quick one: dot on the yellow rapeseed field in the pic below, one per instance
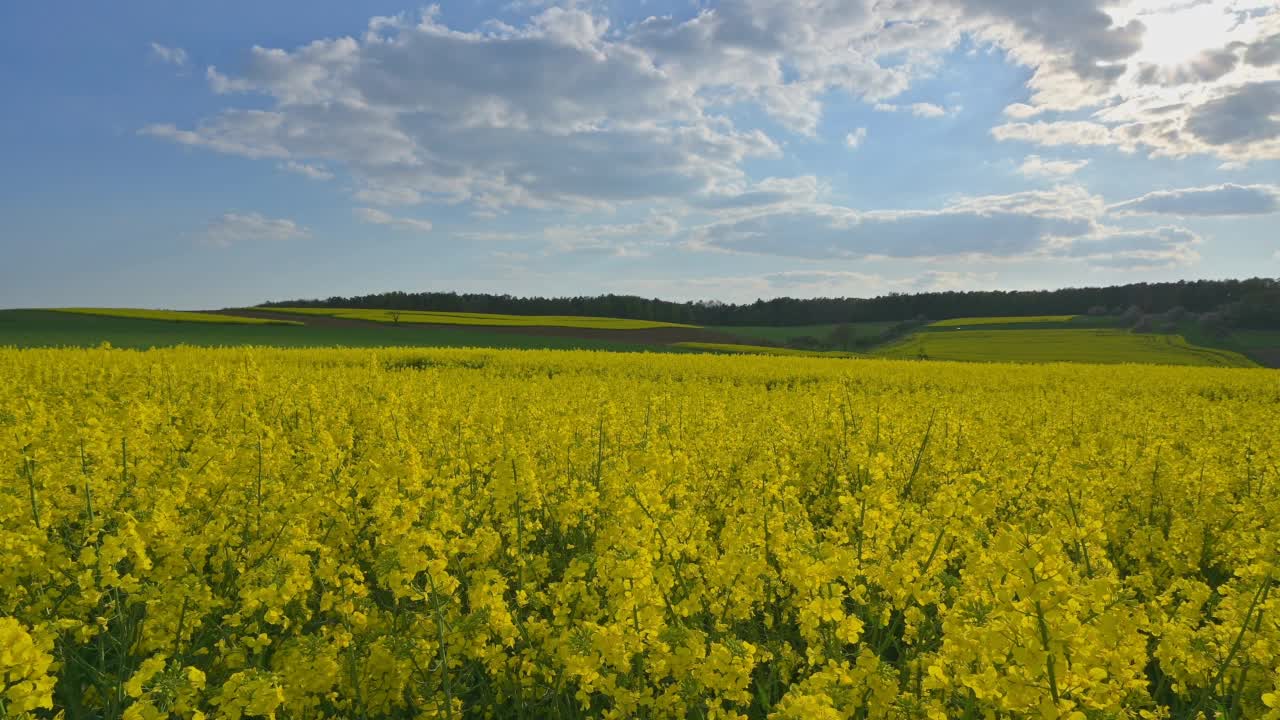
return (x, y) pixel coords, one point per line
(248, 533)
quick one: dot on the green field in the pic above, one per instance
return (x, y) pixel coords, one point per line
(47, 328)
(1011, 320)
(759, 349)
(785, 334)
(174, 316)
(1034, 346)
(482, 319)
(998, 342)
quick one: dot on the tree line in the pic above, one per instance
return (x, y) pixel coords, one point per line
(1254, 303)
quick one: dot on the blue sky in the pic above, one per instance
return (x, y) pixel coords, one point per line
(206, 155)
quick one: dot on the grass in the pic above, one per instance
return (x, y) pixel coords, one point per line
(1018, 320)
(1033, 346)
(174, 316)
(784, 334)
(46, 328)
(490, 319)
(759, 349)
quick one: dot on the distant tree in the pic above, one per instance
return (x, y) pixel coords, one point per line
(1144, 324)
(1132, 315)
(1253, 303)
(395, 316)
(1098, 310)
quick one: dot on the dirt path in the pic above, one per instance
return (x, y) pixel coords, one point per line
(647, 336)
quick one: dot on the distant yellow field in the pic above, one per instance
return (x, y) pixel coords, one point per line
(1012, 320)
(759, 349)
(174, 316)
(490, 319)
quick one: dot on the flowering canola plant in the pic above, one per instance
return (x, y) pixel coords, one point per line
(255, 533)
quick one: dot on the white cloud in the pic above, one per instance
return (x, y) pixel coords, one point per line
(992, 226)
(855, 139)
(843, 282)
(1227, 199)
(920, 109)
(1021, 111)
(170, 55)
(942, 280)
(378, 217)
(315, 172)
(618, 239)
(770, 191)
(1134, 249)
(1035, 166)
(1064, 222)
(551, 114)
(1204, 81)
(566, 110)
(233, 228)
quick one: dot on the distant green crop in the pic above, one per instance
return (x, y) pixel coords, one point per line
(490, 319)
(1012, 320)
(758, 349)
(1037, 346)
(174, 316)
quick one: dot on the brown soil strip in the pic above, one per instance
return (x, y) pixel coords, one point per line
(648, 336)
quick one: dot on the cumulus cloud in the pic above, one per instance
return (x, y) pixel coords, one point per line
(1264, 53)
(1134, 249)
(942, 280)
(617, 239)
(564, 110)
(920, 109)
(232, 228)
(550, 114)
(621, 239)
(374, 216)
(770, 191)
(169, 55)
(1035, 166)
(1247, 114)
(1064, 222)
(1226, 199)
(1177, 97)
(854, 139)
(990, 226)
(315, 172)
(845, 280)
(1207, 66)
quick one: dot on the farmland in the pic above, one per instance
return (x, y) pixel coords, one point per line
(404, 533)
(175, 316)
(42, 328)
(759, 349)
(1039, 346)
(483, 319)
(1007, 320)
(782, 334)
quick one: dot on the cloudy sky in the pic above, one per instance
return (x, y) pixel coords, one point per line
(190, 155)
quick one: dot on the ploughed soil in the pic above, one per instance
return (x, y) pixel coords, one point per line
(649, 336)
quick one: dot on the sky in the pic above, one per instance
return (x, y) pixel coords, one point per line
(200, 155)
